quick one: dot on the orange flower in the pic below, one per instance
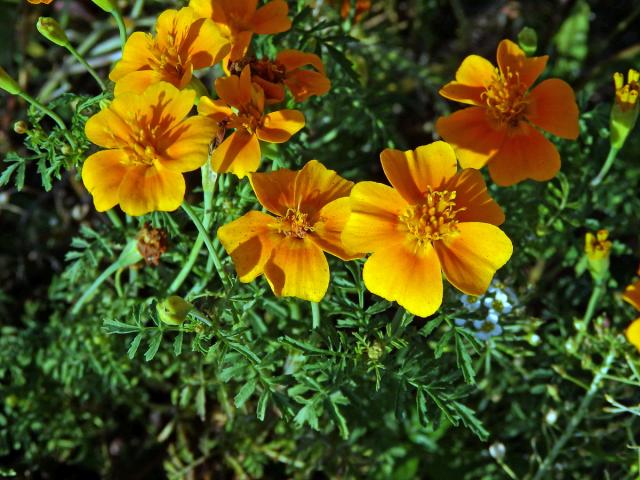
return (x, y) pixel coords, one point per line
(433, 219)
(286, 69)
(311, 207)
(241, 107)
(150, 143)
(632, 295)
(240, 20)
(183, 43)
(361, 7)
(36, 2)
(501, 128)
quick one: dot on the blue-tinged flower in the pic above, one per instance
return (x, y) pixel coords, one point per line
(488, 330)
(471, 303)
(460, 322)
(499, 303)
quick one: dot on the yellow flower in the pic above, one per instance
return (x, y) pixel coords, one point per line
(36, 2)
(241, 107)
(183, 43)
(632, 296)
(624, 113)
(240, 19)
(597, 249)
(434, 219)
(501, 128)
(150, 143)
(311, 207)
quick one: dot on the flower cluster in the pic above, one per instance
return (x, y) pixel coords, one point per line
(488, 310)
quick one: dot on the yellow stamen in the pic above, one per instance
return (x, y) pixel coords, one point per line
(627, 94)
(294, 224)
(506, 99)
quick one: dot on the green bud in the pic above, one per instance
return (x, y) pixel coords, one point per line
(106, 5)
(597, 249)
(50, 29)
(9, 84)
(20, 127)
(173, 310)
(528, 40)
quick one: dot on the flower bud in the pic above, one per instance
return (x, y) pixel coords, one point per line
(528, 41)
(106, 5)
(20, 127)
(624, 112)
(597, 249)
(9, 84)
(173, 310)
(50, 29)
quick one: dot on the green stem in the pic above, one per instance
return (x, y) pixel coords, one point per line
(122, 28)
(51, 114)
(113, 216)
(613, 152)
(86, 65)
(186, 268)
(597, 291)
(575, 418)
(315, 314)
(202, 230)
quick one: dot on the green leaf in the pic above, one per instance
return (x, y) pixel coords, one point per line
(201, 403)
(307, 414)
(463, 359)
(305, 347)
(341, 422)
(133, 347)
(154, 344)
(245, 392)
(115, 326)
(263, 401)
(177, 344)
(470, 420)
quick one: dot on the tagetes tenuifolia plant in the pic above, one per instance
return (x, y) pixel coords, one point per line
(183, 43)
(287, 71)
(150, 143)
(501, 129)
(632, 296)
(433, 219)
(310, 208)
(241, 107)
(240, 19)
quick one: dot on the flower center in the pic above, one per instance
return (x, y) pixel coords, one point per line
(506, 99)
(248, 122)
(294, 223)
(142, 150)
(627, 94)
(434, 218)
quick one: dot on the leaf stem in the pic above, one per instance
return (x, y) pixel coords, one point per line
(86, 65)
(597, 291)
(122, 28)
(51, 114)
(315, 315)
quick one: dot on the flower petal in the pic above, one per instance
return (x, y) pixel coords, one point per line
(412, 172)
(294, 59)
(278, 127)
(306, 83)
(473, 197)
(216, 109)
(511, 57)
(164, 105)
(553, 108)
(327, 230)
(272, 18)
(471, 258)
(473, 76)
(238, 154)
(187, 146)
(102, 174)
(147, 189)
(316, 186)
(298, 268)
(373, 223)
(407, 275)
(235, 90)
(633, 333)
(632, 294)
(275, 190)
(525, 154)
(249, 241)
(135, 56)
(137, 82)
(109, 128)
(471, 135)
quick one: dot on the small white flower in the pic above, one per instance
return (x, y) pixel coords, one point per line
(493, 316)
(499, 303)
(470, 302)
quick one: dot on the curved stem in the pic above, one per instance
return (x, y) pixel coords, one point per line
(86, 65)
(613, 152)
(597, 291)
(122, 28)
(51, 114)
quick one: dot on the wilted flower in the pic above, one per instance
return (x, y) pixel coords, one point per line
(501, 128)
(310, 209)
(435, 219)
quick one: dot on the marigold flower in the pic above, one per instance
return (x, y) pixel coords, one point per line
(346, 7)
(624, 113)
(632, 296)
(501, 128)
(37, 2)
(183, 43)
(150, 143)
(433, 219)
(286, 70)
(241, 107)
(311, 207)
(240, 19)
